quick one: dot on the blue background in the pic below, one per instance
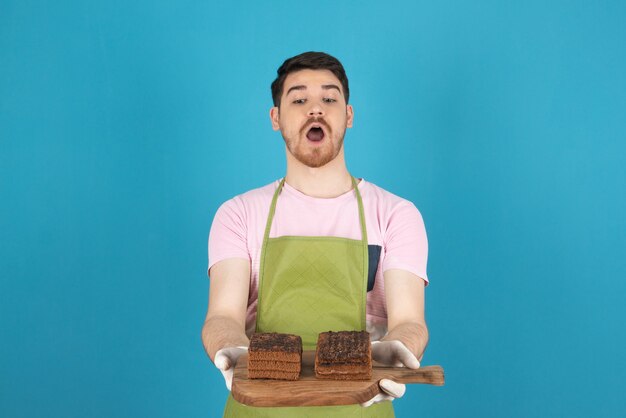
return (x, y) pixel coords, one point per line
(124, 125)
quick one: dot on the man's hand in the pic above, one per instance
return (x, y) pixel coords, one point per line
(225, 361)
(394, 354)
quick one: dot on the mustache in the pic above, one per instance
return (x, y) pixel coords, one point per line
(319, 121)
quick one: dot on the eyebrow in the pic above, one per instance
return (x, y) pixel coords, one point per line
(303, 87)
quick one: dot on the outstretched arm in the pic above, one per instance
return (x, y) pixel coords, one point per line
(225, 322)
(405, 342)
(404, 294)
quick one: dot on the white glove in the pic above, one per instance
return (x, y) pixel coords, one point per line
(394, 354)
(226, 359)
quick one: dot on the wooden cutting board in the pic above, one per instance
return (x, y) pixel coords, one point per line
(309, 391)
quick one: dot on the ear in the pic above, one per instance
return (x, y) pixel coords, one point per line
(350, 116)
(274, 113)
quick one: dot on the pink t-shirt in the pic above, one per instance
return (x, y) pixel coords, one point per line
(392, 223)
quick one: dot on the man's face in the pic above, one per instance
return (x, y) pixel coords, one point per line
(313, 116)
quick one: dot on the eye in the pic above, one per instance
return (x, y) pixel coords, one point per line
(329, 100)
(299, 101)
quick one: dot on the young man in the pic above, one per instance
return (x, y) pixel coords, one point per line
(318, 250)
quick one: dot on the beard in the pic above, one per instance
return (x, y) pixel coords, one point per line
(315, 156)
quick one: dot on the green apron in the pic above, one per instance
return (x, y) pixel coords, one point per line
(309, 285)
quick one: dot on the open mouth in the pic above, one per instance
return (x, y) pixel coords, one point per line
(315, 134)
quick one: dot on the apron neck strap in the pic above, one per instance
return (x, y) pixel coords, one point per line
(270, 218)
(361, 212)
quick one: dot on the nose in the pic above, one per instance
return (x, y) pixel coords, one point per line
(316, 110)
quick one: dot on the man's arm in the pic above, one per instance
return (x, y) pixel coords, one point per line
(228, 298)
(404, 294)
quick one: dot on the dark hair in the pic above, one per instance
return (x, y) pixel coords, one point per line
(309, 61)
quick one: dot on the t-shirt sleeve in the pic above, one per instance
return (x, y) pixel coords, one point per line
(406, 244)
(227, 238)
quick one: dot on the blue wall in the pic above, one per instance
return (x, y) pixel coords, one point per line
(124, 125)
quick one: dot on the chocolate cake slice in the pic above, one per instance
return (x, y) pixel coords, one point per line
(343, 355)
(275, 356)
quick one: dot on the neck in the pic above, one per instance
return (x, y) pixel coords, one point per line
(328, 181)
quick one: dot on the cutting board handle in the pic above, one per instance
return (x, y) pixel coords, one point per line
(432, 375)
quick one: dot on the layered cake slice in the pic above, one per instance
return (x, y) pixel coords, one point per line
(343, 355)
(274, 356)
